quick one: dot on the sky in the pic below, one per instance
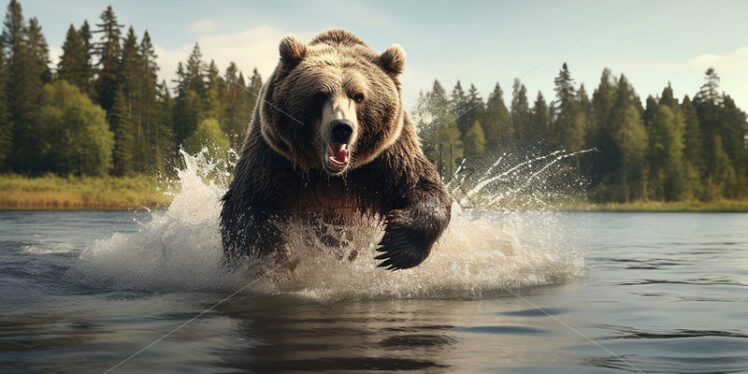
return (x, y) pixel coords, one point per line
(482, 43)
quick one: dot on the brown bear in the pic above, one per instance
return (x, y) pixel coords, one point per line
(329, 139)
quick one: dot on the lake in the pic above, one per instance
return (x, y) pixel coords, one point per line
(617, 292)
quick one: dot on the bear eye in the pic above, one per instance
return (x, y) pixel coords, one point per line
(359, 97)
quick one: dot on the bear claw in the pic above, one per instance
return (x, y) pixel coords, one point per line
(400, 251)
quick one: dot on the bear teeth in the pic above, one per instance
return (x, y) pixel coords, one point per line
(337, 154)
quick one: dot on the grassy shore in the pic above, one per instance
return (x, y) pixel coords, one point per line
(661, 206)
(52, 192)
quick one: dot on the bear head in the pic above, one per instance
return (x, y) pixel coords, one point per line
(333, 104)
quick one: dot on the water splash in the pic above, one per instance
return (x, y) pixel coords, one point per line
(525, 182)
(480, 254)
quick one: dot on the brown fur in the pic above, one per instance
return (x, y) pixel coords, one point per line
(280, 175)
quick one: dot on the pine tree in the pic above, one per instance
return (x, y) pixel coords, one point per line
(130, 68)
(650, 109)
(86, 38)
(666, 164)
(497, 124)
(194, 72)
(458, 104)
(539, 124)
(438, 130)
(39, 51)
(189, 107)
(710, 90)
(694, 151)
(215, 96)
(6, 126)
(156, 131)
(600, 165)
(129, 77)
(163, 138)
(109, 51)
(520, 110)
(668, 98)
(233, 115)
(26, 53)
(569, 120)
(630, 139)
(710, 110)
(122, 127)
(255, 84)
(734, 132)
(472, 110)
(474, 141)
(722, 173)
(73, 65)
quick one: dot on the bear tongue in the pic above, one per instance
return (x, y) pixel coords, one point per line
(338, 153)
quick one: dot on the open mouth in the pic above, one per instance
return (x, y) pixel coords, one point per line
(337, 157)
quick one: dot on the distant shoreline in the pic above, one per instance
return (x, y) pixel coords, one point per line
(52, 192)
(721, 206)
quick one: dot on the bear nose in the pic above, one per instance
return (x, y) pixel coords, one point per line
(340, 131)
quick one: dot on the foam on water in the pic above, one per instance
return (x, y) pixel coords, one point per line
(180, 249)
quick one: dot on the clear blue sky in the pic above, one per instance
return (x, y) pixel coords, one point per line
(651, 42)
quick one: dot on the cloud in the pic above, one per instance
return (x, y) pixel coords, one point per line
(733, 64)
(205, 26)
(55, 52)
(252, 48)
(689, 73)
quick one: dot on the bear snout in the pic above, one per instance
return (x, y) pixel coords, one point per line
(340, 131)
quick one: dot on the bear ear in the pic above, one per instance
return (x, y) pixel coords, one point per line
(393, 60)
(292, 51)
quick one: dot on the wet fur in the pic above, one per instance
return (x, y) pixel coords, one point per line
(279, 176)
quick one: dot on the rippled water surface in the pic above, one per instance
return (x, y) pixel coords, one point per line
(616, 292)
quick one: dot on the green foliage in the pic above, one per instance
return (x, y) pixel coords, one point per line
(520, 109)
(497, 124)
(668, 150)
(475, 141)
(26, 52)
(120, 121)
(694, 151)
(722, 174)
(437, 128)
(630, 139)
(208, 136)
(538, 126)
(73, 65)
(75, 137)
(6, 125)
(666, 164)
(108, 51)
(51, 191)
(569, 119)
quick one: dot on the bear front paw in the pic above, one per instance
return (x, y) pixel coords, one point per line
(402, 248)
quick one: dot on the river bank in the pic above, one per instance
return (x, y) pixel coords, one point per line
(663, 206)
(51, 192)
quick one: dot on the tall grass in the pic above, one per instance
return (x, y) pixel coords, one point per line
(55, 192)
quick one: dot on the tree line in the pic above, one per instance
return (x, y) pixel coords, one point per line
(102, 109)
(663, 149)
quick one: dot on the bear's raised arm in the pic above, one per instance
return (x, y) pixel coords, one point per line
(417, 215)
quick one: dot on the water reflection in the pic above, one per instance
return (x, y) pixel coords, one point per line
(289, 335)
